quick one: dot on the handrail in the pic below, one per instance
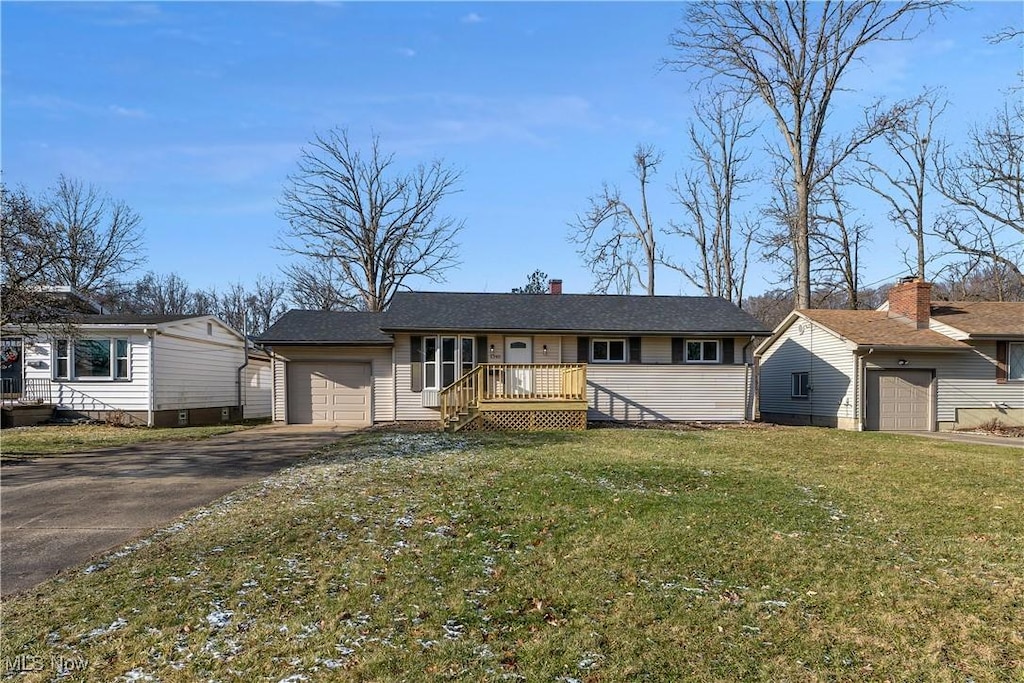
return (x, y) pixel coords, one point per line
(513, 381)
(462, 394)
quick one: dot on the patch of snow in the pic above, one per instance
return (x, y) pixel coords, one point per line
(115, 625)
(98, 567)
(137, 675)
(453, 630)
(219, 618)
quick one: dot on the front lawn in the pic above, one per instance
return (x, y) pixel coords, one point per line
(777, 554)
(57, 439)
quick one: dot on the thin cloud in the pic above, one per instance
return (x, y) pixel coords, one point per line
(407, 52)
(472, 18)
(127, 112)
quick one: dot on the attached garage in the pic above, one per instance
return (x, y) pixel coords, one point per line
(899, 400)
(329, 393)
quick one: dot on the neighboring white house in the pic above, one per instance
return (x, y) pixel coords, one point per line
(530, 361)
(148, 370)
(912, 365)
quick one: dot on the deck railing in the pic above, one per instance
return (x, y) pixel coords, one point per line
(512, 382)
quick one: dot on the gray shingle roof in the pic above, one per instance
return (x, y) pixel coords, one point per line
(129, 319)
(569, 313)
(320, 327)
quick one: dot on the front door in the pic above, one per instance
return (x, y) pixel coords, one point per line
(519, 351)
(10, 367)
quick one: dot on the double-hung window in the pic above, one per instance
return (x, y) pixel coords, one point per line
(702, 351)
(608, 350)
(91, 359)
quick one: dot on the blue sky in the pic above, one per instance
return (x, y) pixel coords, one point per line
(194, 114)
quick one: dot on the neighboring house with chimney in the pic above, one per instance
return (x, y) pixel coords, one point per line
(516, 361)
(912, 365)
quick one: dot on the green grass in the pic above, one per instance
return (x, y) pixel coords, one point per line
(60, 439)
(778, 554)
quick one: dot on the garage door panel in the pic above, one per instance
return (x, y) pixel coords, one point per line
(324, 392)
(899, 400)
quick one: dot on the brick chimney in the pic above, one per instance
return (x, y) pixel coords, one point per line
(911, 298)
(554, 286)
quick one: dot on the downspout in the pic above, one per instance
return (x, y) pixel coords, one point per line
(238, 374)
(150, 417)
(394, 386)
(752, 381)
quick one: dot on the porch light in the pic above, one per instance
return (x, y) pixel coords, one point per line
(544, 349)
(902, 361)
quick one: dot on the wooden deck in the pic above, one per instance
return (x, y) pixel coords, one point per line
(517, 397)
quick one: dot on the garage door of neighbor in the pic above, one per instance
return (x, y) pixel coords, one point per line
(899, 400)
(329, 393)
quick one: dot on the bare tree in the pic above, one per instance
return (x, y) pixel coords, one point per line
(793, 56)
(155, 294)
(617, 243)
(836, 243)
(536, 283)
(710, 193)
(266, 304)
(379, 225)
(96, 239)
(318, 284)
(977, 279)
(902, 180)
(985, 184)
(26, 256)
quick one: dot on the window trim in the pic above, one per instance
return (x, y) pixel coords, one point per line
(70, 375)
(702, 341)
(1009, 361)
(794, 386)
(609, 340)
(436, 359)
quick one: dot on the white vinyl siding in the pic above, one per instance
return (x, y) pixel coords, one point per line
(95, 394)
(656, 350)
(716, 393)
(379, 358)
(829, 362)
(280, 395)
(258, 389)
(554, 354)
(569, 349)
(195, 373)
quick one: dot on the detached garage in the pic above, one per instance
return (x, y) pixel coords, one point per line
(331, 369)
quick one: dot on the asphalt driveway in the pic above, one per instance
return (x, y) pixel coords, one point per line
(60, 511)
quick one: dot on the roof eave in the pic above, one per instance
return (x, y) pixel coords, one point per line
(918, 348)
(533, 330)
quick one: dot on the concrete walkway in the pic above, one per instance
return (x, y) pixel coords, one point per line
(59, 511)
(978, 439)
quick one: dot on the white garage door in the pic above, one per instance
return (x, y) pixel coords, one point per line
(899, 400)
(335, 393)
